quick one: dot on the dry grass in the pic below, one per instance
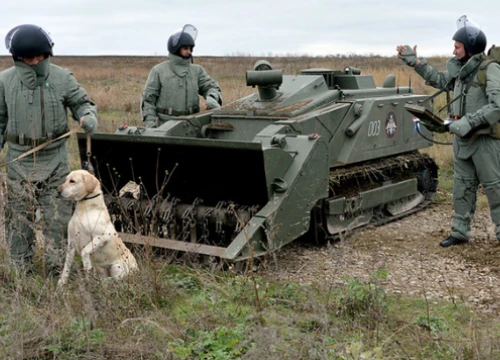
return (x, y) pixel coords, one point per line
(115, 83)
(171, 312)
(174, 312)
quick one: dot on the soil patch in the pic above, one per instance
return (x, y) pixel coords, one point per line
(409, 250)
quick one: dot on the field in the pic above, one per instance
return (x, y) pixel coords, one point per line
(383, 293)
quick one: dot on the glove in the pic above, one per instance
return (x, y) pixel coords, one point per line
(409, 56)
(461, 127)
(212, 103)
(89, 124)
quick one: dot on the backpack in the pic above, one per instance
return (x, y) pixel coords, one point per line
(493, 56)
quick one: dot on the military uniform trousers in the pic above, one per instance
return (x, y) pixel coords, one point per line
(478, 163)
(36, 204)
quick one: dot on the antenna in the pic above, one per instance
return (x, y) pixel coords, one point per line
(397, 82)
(410, 91)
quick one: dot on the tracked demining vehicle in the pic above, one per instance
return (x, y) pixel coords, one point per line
(323, 152)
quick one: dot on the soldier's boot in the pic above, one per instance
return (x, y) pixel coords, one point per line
(450, 241)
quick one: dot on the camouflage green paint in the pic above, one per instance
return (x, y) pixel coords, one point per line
(275, 151)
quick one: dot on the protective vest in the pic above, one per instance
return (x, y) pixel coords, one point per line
(173, 88)
(470, 85)
(482, 110)
(33, 109)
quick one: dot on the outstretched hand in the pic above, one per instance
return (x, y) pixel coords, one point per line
(401, 48)
(408, 54)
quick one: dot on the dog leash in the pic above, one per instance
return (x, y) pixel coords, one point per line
(41, 146)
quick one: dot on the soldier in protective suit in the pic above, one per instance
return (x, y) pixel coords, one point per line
(173, 87)
(34, 97)
(476, 147)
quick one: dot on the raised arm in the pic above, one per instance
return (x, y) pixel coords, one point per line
(432, 77)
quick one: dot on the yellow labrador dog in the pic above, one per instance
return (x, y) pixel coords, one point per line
(91, 232)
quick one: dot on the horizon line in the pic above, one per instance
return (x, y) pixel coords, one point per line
(350, 55)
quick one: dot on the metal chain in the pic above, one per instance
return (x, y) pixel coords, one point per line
(205, 235)
(189, 221)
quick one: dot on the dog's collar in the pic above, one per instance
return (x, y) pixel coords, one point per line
(92, 197)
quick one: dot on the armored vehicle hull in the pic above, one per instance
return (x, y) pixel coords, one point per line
(322, 152)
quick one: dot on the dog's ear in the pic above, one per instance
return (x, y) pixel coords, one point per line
(90, 182)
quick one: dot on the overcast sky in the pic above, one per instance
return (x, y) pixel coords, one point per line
(251, 27)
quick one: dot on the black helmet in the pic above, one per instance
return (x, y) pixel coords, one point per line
(26, 41)
(472, 45)
(470, 35)
(184, 37)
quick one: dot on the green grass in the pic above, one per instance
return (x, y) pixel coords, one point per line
(175, 312)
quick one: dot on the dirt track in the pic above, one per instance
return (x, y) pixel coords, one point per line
(409, 250)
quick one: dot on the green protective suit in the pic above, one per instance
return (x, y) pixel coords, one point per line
(173, 88)
(33, 109)
(476, 159)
